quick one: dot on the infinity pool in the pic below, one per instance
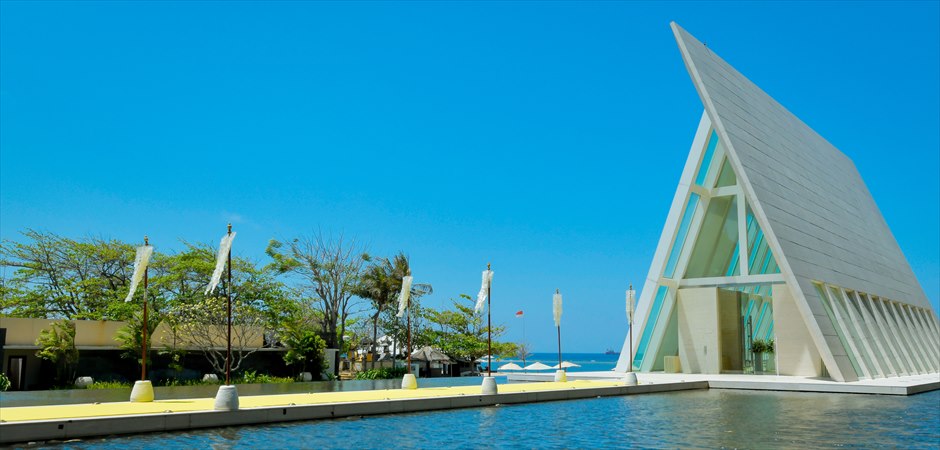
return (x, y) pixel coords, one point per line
(700, 419)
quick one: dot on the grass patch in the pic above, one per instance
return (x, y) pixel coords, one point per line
(250, 376)
(385, 373)
(108, 385)
(172, 382)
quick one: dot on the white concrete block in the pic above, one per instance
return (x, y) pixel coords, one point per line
(142, 391)
(227, 398)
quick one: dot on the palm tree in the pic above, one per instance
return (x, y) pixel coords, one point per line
(375, 286)
(381, 284)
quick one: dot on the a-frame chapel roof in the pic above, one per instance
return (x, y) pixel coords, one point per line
(820, 219)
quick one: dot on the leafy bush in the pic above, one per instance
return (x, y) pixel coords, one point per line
(762, 346)
(385, 373)
(130, 336)
(4, 382)
(250, 376)
(108, 385)
(57, 345)
(177, 382)
(305, 347)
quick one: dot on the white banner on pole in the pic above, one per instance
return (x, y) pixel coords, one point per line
(484, 290)
(140, 266)
(224, 248)
(404, 295)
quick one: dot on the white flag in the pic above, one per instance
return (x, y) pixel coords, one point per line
(404, 295)
(140, 266)
(484, 290)
(556, 308)
(224, 248)
(630, 305)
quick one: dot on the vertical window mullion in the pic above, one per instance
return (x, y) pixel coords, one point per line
(912, 344)
(931, 324)
(879, 321)
(929, 345)
(895, 331)
(856, 355)
(915, 336)
(860, 331)
(876, 337)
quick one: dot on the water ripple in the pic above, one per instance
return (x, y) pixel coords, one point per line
(700, 419)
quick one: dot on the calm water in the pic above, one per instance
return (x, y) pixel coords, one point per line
(697, 419)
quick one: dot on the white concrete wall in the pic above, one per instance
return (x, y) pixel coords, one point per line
(796, 352)
(731, 338)
(699, 343)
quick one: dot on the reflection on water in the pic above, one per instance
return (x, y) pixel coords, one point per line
(225, 438)
(693, 419)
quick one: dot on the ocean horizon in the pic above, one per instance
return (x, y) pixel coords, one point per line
(587, 362)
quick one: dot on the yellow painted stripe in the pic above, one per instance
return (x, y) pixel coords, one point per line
(51, 412)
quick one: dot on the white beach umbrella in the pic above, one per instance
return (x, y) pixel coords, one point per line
(484, 359)
(537, 366)
(509, 366)
(565, 365)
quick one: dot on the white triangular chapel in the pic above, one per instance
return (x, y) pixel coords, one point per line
(773, 236)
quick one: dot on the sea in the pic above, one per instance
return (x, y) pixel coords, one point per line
(587, 362)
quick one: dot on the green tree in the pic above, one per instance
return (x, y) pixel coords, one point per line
(260, 304)
(305, 347)
(57, 345)
(182, 278)
(58, 277)
(381, 285)
(376, 287)
(461, 332)
(204, 326)
(130, 336)
(328, 270)
(523, 351)
(397, 327)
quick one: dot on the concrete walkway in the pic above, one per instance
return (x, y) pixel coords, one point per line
(62, 422)
(883, 386)
(49, 412)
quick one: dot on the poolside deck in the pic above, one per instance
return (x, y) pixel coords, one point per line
(62, 422)
(907, 385)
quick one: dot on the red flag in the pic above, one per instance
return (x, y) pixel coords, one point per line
(519, 314)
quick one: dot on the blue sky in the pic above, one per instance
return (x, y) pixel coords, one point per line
(546, 138)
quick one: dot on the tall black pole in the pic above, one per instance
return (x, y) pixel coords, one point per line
(559, 339)
(524, 348)
(489, 337)
(630, 299)
(143, 345)
(408, 307)
(228, 354)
